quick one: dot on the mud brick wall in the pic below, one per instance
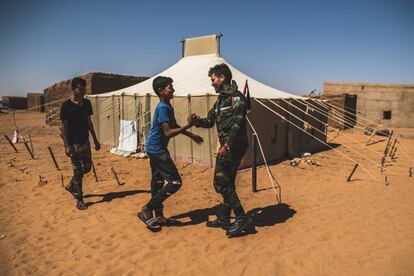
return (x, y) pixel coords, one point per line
(36, 101)
(15, 102)
(374, 99)
(96, 83)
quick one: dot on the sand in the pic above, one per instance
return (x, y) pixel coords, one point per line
(324, 225)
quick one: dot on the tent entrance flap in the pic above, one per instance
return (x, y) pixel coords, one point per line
(128, 138)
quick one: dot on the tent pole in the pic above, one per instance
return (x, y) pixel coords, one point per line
(182, 47)
(191, 140)
(97, 119)
(218, 43)
(113, 119)
(209, 135)
(254, 165)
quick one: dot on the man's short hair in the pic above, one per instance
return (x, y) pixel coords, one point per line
(160, 82)
(221, 69)
(75, 81)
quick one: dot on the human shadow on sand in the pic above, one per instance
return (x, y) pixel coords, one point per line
(110, 196)
(261, 217)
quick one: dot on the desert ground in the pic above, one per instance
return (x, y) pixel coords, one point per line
(324, 225)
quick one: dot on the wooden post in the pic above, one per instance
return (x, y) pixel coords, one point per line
(386, 181)
(410, 172)
(116, 177)
(11, 143)
(53, 157)
(352, 173)
(61, 178)
(94, 172)
(31, 144)
(28, 149)
(254, 163)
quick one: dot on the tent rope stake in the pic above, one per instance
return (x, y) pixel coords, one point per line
(53, 157)
(352, 172)
(11, 143)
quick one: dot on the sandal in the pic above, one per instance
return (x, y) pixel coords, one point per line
(151, 222)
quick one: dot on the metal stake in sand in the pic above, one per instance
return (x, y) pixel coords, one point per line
(53, 157)
(388, 144)
(370, 137)
(410, 172)
(31, 144)
(28, 149)
(382, 163)
(116, 177)
(352, 173)
(94, 172)
(386, 181)
(392, 154)
(11, 143)
(61, 179)
(393, 146)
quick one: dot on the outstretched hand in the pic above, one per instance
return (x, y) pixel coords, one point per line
(198, 139)
(193, 119)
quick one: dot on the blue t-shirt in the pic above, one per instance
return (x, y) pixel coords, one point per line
(156, 140)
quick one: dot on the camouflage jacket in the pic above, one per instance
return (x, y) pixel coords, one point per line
(229, 115)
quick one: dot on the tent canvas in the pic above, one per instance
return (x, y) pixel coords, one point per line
(194, 94)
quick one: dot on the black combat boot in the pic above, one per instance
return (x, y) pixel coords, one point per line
(238, 226)
(223, 220)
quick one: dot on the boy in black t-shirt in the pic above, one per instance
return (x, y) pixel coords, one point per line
(75, 115)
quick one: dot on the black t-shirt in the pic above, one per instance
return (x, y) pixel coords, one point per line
(77, 117)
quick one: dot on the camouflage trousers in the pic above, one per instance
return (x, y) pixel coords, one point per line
(81, 164)
(225, 176)
(162, 169)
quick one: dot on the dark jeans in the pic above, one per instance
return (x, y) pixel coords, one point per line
(81, 164)
(225, 175)
(162, 168)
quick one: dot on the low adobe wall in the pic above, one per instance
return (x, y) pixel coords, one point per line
(375, 99)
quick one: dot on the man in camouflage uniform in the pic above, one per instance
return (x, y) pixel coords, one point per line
(229, 115)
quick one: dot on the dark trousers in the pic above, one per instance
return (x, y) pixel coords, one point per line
(225, 175)
(162, 169)
(81, 164)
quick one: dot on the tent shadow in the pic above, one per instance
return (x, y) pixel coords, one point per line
(271, 215)
(111, 196)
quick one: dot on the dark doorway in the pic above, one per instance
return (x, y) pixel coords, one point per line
(350, 107)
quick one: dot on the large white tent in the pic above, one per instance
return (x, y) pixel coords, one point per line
(190, 78)
(194, 94)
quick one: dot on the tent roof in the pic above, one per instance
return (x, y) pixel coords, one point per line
(190, 78)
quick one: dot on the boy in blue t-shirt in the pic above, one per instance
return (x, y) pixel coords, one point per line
(164, 127)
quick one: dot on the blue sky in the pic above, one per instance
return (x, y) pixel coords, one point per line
(291, 45)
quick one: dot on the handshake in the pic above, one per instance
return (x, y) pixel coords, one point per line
(193, 119)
